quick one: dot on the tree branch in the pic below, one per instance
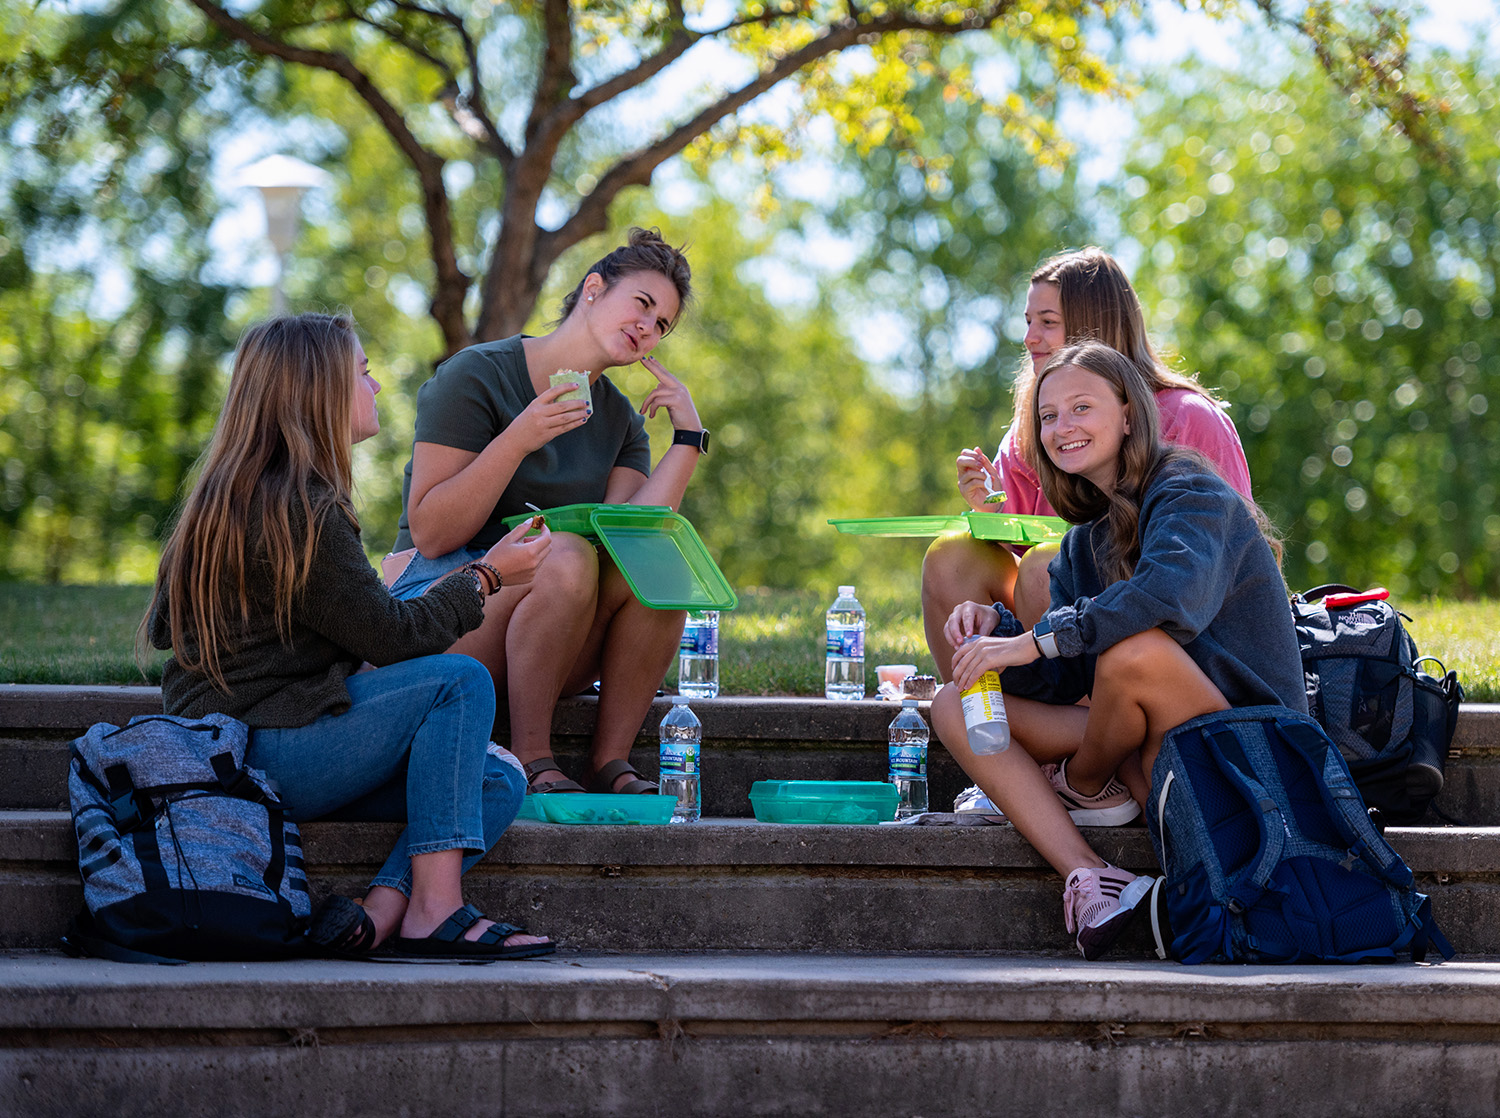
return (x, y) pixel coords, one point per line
(452, 283)
(635, 170)
(556, 79)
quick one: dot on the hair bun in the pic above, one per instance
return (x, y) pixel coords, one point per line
(640, 235)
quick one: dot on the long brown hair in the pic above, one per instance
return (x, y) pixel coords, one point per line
(645, 250)
(1098, 304)
(1142, 454)
(282, 441)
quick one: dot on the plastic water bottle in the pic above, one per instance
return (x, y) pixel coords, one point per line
(908, 760)
(681, 742)
(698, 658)
(984, 714)
(844, 671)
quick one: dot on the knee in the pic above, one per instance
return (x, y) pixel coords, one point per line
(571, 569)
(946, 557)
(1033, 591)
(948, 716)
(471, 681)
(1136, 658)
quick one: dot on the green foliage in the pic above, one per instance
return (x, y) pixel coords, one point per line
(1338, 284)
(953, 226)
(110, 336)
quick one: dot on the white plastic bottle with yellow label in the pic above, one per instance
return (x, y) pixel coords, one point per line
(984, 714)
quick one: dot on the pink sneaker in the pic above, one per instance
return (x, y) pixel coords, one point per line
(1099, 904)
(1111, 806)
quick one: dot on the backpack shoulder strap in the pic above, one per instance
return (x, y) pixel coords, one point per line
(1344, 803)
(1221, 741)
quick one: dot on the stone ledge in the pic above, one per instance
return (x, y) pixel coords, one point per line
(48, 990)
(760, 718)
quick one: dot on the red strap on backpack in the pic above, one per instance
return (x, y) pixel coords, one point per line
(1344, 601)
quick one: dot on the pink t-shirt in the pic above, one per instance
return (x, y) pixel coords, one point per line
(1188, 418)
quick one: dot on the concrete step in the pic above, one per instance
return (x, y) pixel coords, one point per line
(734, 884)
(687, 1034)
(745, 739)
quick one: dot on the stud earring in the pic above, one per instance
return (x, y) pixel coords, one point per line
(591, 298)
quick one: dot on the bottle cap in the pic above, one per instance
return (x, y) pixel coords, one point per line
(680, 700)
(909, 702)
(846, 591)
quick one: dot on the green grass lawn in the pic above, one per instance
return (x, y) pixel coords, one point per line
(771, 645)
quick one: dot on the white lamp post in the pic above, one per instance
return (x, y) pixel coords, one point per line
(281, 181)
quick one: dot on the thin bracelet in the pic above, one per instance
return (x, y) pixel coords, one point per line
(481, 565)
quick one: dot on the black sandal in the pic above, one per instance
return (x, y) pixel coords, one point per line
(342, 929)
(605, 778)
(548, 763)
(448, 940)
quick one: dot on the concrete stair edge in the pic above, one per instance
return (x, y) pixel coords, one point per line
(48, 990)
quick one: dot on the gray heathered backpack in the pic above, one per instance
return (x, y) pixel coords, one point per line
(185, 851)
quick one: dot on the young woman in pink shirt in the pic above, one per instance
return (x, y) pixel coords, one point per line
(1074, 297)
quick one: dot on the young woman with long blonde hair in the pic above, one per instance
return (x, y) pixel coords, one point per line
(270, 608)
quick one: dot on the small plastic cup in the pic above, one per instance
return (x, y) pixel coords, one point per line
(890, 677)
(580, 390)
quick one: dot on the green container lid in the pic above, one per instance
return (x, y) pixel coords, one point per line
(823, 801)
(604, 808)
(981, 525)
(660, 554)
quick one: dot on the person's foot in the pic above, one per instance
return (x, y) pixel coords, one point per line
(421, 925)
(467, 933)
(1111, 806)
(543, 776)
(1098, 904)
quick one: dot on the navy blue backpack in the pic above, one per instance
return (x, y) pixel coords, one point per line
(1267, 851)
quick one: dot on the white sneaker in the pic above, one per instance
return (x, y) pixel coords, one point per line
(1099, 904)
(973, 801)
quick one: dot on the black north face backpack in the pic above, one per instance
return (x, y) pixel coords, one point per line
(1392, 721)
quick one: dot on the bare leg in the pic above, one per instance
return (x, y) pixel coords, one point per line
(958, 568)
(1143, 686)
(1033, 589)
(1013, 779)
(628, 649)
(530, 639)
(435, 896)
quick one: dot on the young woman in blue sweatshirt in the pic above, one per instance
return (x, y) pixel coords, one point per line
(1167, 602)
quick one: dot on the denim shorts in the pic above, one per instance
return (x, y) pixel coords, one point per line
(422, 572)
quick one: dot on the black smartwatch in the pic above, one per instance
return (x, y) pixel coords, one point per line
(697, 439)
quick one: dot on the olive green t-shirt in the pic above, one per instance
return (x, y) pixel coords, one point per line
(475, 394)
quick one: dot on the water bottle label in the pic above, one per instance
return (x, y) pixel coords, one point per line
(679, 759)
(700, 640)
(908, 760)
(846, 643)
(983, 702)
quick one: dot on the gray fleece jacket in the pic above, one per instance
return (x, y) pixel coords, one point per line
(1206, 577)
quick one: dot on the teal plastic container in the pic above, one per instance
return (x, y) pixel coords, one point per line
(604, 808)
(823, 801)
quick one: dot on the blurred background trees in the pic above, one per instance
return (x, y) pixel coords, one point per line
(1313, 231)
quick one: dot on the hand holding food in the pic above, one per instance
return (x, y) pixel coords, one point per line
(979, 480)
(517, 556)
(548, 416)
